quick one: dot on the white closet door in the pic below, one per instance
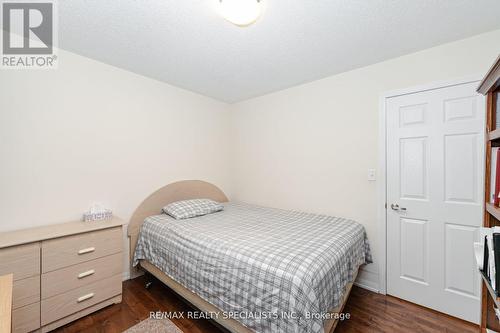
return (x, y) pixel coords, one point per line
(435, 167)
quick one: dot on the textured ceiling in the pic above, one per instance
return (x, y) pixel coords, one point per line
(186, 44)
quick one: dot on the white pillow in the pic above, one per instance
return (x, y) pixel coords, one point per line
(191, 208)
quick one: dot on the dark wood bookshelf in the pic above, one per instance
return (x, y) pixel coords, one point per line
(493, 210)
(494, 135)
(490, 87)
(492, 293)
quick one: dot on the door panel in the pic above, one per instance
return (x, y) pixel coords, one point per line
(462, 108)
(413, 170)
(461, 183)
(459, 260)
(435, 149)
(414, 256)
(412, 115)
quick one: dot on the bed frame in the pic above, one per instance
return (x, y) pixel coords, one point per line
(184, 190)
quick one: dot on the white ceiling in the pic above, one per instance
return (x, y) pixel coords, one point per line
(186, 44)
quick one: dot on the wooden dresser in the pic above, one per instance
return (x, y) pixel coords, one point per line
(62, 272)
(5, 303)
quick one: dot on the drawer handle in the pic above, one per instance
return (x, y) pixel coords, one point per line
(85, 274)
(87, 250)
(85, 297)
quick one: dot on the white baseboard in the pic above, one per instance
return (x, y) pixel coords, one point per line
(368, 278)
(367, 287)
(132, 274)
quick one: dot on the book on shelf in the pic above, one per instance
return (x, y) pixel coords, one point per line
(494, 174)
(497, 110)
(487, 254)
(496, 245)
(497, 113)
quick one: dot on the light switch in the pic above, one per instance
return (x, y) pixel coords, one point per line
(372, 175)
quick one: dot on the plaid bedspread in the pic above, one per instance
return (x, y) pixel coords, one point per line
(273, 270)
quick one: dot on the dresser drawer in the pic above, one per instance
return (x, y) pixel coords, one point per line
(26, 291)
(65, 279)
(63, 305)
(22, 260)
(26, 319)
(72, 250)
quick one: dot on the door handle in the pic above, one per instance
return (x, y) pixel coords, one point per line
(397, 208)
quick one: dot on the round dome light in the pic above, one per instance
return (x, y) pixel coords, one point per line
(240, 12)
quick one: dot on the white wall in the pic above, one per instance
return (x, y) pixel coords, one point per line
(90, 132)
(310, 147)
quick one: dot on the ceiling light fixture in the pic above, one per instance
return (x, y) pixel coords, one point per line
(240, 12)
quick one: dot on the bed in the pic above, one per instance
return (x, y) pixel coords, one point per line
(253, 268)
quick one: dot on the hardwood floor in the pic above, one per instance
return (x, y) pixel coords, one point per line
(370, 312)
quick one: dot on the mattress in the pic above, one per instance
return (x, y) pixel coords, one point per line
(272, 270)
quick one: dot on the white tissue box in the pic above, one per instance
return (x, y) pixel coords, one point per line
(97, 216)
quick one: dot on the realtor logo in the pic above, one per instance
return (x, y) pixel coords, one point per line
(28, 37)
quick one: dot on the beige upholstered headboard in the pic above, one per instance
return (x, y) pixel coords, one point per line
(182, 190)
